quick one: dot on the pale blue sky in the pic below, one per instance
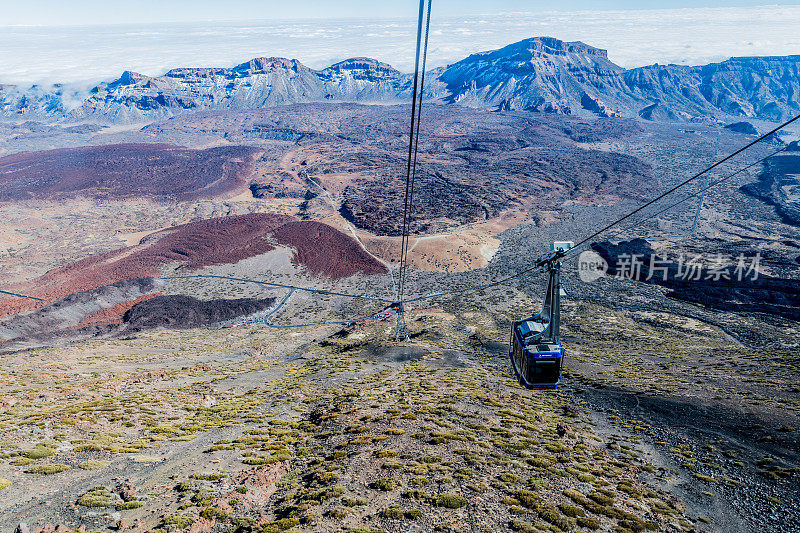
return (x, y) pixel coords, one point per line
(85, 12)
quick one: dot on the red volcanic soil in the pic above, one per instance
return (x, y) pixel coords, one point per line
(326, 251)
(322, 249)
(113, 315)
(125, 171)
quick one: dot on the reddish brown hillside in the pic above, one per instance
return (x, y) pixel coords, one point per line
(124, 171)
(326, 251)
(322, 249)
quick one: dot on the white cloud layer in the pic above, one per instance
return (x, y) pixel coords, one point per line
(632, 38)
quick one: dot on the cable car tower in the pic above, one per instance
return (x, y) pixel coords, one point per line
(535, 348)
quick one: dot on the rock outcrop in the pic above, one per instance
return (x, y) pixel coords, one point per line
(743, 127)
(779, 185)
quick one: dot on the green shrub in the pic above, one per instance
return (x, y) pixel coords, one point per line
(180, 521)
(602, 499)
(571, 511)
(633, 524)
(507, 477)
(384, 453)
(325, 478)
(325, 493)
(125, 506)
(260, 460)
(464, 473)
(550, 514)
(541, 461)
(355, 501)
(276, 526)
(50, 468)
(93, 464)
(588, 522)
(385, 484)
(97, 497)
(40, 451)
(209, 477)
(450, 501)
(213, 513)
(394, 513)
(527, 498)
(524, 527)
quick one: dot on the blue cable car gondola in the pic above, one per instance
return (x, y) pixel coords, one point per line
(535, 348)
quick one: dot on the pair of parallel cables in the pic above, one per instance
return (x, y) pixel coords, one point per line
(417, 93)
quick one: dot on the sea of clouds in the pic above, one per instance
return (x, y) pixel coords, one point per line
(83, 55)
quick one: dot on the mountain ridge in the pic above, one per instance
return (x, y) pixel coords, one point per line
(538, 74)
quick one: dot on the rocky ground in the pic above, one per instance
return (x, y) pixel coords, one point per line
(258, 429)
(676, 413)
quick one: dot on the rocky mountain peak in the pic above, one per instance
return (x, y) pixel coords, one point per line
(535, 46)
(265, 65)
(131, 78)
(364, 66)
(537, 74)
